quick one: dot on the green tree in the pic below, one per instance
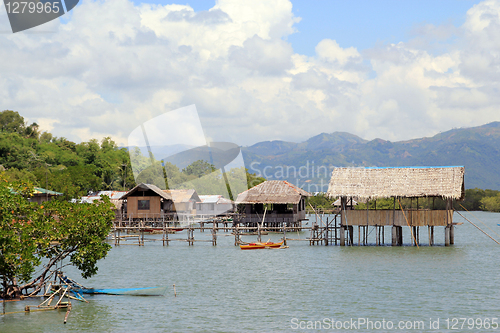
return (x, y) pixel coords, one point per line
(53, 231)
(253, 179)
(73, 181)
(491, 203)
(12, 122)
(321, 200)
(198, 169)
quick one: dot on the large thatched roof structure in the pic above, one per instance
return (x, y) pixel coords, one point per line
(272, 191)
(373, 183)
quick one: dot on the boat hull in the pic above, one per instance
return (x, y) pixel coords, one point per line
(257, 246)
(252, 246)
(151, 291)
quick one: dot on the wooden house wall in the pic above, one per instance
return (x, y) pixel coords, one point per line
(154, 205)
(396, 217)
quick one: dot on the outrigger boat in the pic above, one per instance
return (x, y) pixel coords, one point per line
(150, 291)
(252, 246)
(260, 245)
(77, 289)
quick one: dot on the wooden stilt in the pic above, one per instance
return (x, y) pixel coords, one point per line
(394, 235)
(342, 235)
(452, 234)
(447, 235)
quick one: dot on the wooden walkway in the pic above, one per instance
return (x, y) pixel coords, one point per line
(124, 231)
(326, 231)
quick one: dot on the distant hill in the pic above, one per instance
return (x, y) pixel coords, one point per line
(476, 148)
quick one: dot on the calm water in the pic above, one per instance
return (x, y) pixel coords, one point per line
(224, 289)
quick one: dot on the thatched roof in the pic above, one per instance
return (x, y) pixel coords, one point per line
(373, 183)
(145, 188)
(183, 195)
(272, 191)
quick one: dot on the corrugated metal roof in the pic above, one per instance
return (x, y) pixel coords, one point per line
(273, 191)
(39, 190)
(217, 199)
(209, 198)
(372, 183)
(111, 194)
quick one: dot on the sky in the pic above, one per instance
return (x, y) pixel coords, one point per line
(257, 70)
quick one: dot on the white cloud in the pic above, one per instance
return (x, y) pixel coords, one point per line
(115, 65)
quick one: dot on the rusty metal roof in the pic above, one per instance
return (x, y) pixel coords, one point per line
(273, 191)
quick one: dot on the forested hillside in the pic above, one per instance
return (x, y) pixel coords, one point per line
(75, 169)
(59, 164)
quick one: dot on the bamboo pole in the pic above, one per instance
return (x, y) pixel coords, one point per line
(412, 235)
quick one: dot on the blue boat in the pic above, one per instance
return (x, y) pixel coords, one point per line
(149, 291)
(77, 289)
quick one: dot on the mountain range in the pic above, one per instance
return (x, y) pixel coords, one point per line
(309, 163)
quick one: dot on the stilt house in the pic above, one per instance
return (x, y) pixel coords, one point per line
(286, 203)
(146, 201)
(365, 184)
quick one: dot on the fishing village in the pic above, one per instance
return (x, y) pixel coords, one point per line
(280, 207)
(275, 208)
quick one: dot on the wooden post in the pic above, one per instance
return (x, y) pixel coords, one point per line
(383, 235)
(326, 232)
(335, 228)
(259, 235)
(342, 235)
(351, 234)
(343, 203)
(452, 234)
(447, 235)
(214, 235)
(236, 235)
(284, 235)
(164, 231)
(432, 234)
(394, 235)
(359, 235)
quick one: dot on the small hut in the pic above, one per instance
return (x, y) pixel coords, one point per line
(41, 195)
(397, 182)
(146, 201)
(286, 204)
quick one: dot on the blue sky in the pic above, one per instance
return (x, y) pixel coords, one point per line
(259, 70)
(359, 23)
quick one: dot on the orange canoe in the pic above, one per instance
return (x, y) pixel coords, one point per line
(255, 246)
(252, 246)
